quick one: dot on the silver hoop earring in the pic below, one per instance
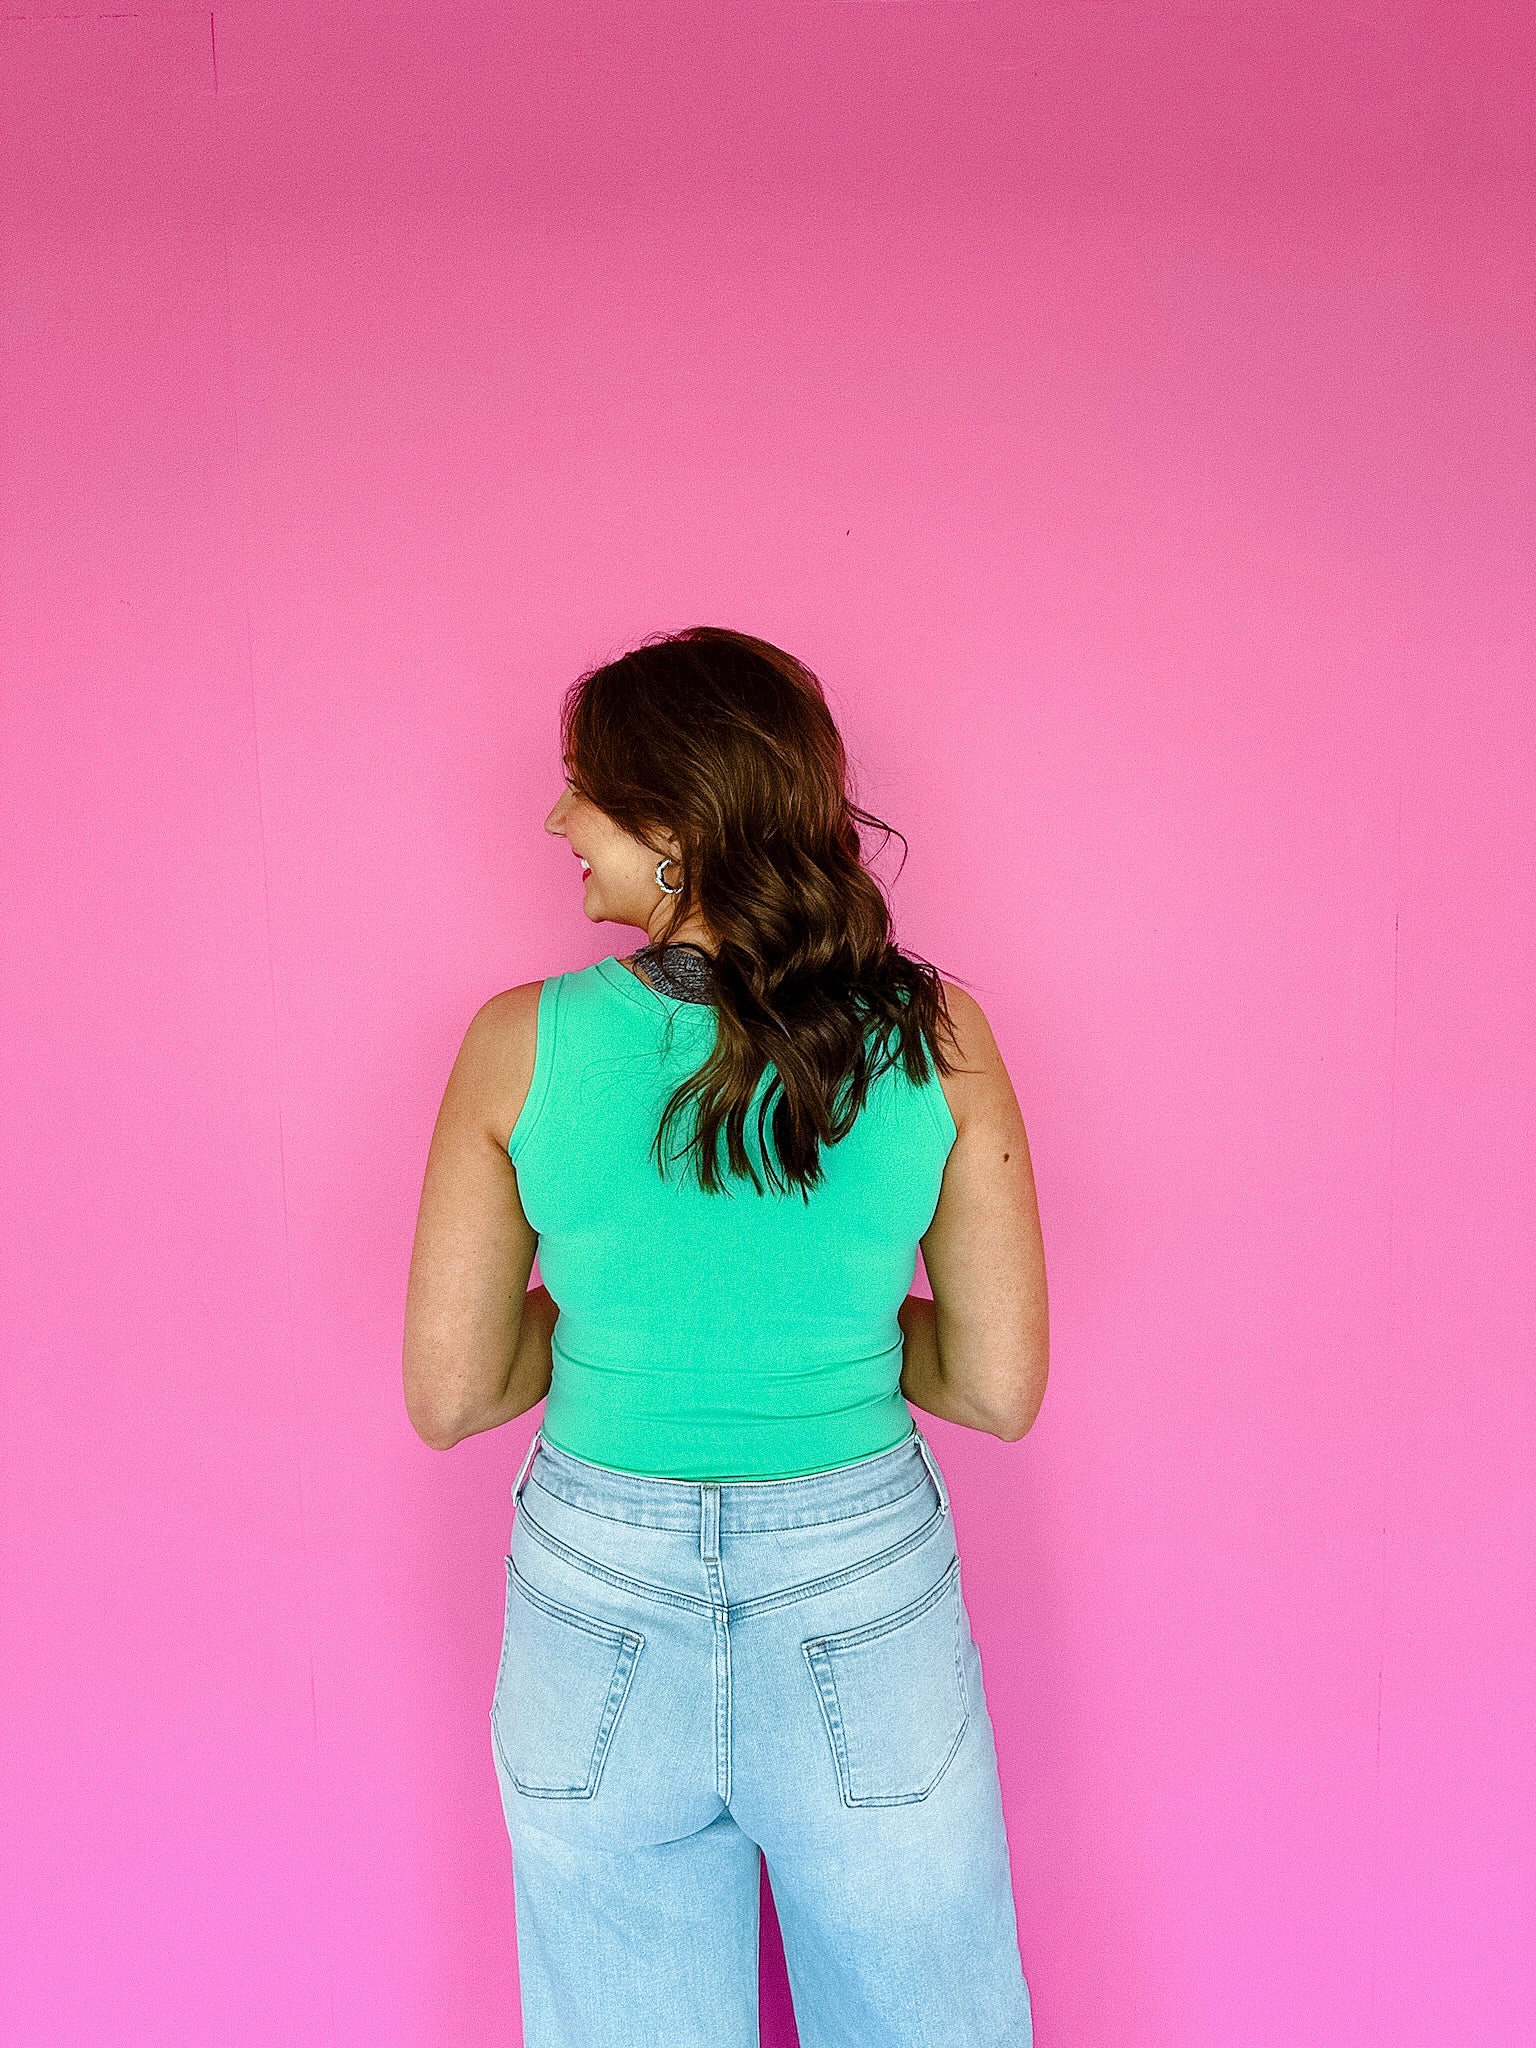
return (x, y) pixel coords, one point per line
(666, 861)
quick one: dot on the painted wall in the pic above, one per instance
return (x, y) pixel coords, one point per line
(1129, 411)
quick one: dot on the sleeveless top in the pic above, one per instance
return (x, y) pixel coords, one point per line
(700, 1336)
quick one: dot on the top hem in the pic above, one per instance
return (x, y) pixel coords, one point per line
(714, 1477)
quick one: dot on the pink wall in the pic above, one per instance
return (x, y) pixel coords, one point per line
(1130, 411)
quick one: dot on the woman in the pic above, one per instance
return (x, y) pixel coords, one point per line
(734, 1619)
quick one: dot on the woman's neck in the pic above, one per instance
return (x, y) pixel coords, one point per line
(693, 931)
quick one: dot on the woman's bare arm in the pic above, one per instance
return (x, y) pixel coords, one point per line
(477, 1337)
(978, 1353)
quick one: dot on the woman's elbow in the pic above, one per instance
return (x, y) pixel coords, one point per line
(1022, 1405)
(436, 1430)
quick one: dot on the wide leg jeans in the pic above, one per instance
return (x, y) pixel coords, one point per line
(691, 1673)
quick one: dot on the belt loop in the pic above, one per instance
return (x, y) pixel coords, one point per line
(933, 1468)
(709, 1524)
(522, 1470)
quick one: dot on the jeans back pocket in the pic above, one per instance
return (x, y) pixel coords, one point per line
(892, 1695)
(559, 1691)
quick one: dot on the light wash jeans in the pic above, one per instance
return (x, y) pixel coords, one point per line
(692, 1672)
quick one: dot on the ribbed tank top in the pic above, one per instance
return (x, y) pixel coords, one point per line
(736, 1335)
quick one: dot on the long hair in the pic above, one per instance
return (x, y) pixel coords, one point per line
(728, 742)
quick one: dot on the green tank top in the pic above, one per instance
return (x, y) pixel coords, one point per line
(729, 1336)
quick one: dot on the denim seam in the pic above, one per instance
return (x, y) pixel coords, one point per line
(818, 1658)
(827, 1521)
(837, 1732)
(762, 1603)
(618, 1692)
(768, 1529)
(506, 1637)
(607, 1631)
(871, 1631)
(722, 1658)
(809, 1589)
(641, 1588)
(629, 1644)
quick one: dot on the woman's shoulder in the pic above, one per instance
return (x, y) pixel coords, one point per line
(498, 1053)
(503, 1037)
(975, 1080)
(513, 1013)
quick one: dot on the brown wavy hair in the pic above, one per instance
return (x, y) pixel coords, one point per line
(728, 742)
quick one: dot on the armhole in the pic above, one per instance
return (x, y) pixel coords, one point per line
(936, 1102)
(546, 1029)
(943, 1116)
